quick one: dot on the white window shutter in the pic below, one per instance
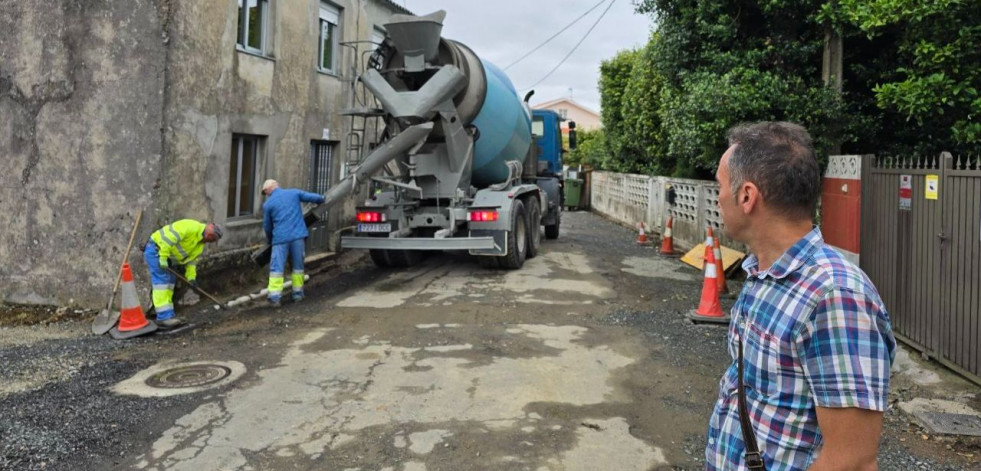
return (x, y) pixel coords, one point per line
(377, 36)
(330, 14)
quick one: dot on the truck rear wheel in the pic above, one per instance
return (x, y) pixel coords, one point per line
(405, 258)
(396, 258)
(534, 226)
(379, 257)
(552, 230)
(517, 238)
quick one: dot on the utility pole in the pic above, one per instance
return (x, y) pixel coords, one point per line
(832, 64)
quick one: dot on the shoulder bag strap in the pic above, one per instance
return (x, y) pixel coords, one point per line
(754, 459)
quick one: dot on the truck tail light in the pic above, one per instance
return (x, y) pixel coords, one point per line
(370, 216)
(482, 216)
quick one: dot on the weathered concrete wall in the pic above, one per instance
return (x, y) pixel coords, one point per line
(215, 91)
(109, 106)
(81, 108)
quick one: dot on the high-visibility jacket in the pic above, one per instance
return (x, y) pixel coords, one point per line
(183, 241)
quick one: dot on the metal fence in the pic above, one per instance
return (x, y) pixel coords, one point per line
(921, 246)
(629, 199)
(923, 255)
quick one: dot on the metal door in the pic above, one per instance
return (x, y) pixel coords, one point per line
(960, 239)
(924, 255)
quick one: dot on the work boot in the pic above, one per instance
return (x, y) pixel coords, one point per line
(275, 302)
(172, 323)
(297, 297)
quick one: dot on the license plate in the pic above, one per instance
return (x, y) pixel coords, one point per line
(374, 227)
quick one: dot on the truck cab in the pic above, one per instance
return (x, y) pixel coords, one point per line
(546, 125)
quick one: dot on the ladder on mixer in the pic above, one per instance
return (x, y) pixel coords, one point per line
(364, 108)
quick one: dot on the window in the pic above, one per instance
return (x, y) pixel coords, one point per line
(242, 174)
(253, 16)
(377, 37)
(321, 158)
(538, 126)
(330, 18)
(563, 113)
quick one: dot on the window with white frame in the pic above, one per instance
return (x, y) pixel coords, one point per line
(330, 20)
(563, 113)
(242, 174)
(253, 20)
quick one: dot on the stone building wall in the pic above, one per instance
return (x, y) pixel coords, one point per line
(110, 106)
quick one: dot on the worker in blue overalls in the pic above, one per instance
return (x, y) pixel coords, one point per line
(282, 220)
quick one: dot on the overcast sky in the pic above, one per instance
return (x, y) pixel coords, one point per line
(502, 31)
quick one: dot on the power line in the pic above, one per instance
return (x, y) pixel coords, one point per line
(574, 47)
(554, 35)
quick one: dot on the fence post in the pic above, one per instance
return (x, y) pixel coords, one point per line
(865, 211)
(651, 198)
(700, 220)
(657, 206)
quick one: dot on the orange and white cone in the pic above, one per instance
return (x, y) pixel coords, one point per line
(132, 321)
(667, 242)
(642, 236)
(709, 243)
(720, 269)
(709, 308)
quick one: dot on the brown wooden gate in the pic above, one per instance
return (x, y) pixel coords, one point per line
(926, 260)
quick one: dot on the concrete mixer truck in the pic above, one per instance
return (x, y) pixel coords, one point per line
(461, 170)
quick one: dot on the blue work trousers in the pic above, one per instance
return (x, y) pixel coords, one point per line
(277, 265)
(163, 283)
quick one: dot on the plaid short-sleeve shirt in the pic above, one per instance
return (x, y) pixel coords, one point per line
(815, 334)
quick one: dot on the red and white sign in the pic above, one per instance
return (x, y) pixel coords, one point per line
(905, 192)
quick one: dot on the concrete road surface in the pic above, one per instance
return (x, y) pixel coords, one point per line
(579, 361)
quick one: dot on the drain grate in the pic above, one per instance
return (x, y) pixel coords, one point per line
(954, 424)
(189, 376)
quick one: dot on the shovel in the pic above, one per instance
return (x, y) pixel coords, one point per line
(199, 290)
(107, 318)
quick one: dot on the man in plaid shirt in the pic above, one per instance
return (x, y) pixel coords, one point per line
(817, 343)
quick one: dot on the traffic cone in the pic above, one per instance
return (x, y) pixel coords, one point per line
(709, 308)
(667, 242)
(720, 268)
(132, 322)
(642, 237)
(709, 243)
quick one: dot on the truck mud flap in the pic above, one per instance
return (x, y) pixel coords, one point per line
(500, 242)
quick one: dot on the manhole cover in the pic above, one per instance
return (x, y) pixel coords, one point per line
(170, 379)
(954, 424)
(190, 376)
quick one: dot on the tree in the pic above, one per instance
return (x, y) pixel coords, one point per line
(614, 77)
(591, 150)
(641, 115)
(728, 61)
(934, 74)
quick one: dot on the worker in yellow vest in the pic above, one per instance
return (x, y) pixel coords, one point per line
(181, 241)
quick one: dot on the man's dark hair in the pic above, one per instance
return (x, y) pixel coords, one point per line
(778, 157)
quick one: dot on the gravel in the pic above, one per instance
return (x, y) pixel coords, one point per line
(701, 349)
(56, 411)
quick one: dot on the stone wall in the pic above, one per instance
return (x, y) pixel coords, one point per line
(81, 112)
(110, 106)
